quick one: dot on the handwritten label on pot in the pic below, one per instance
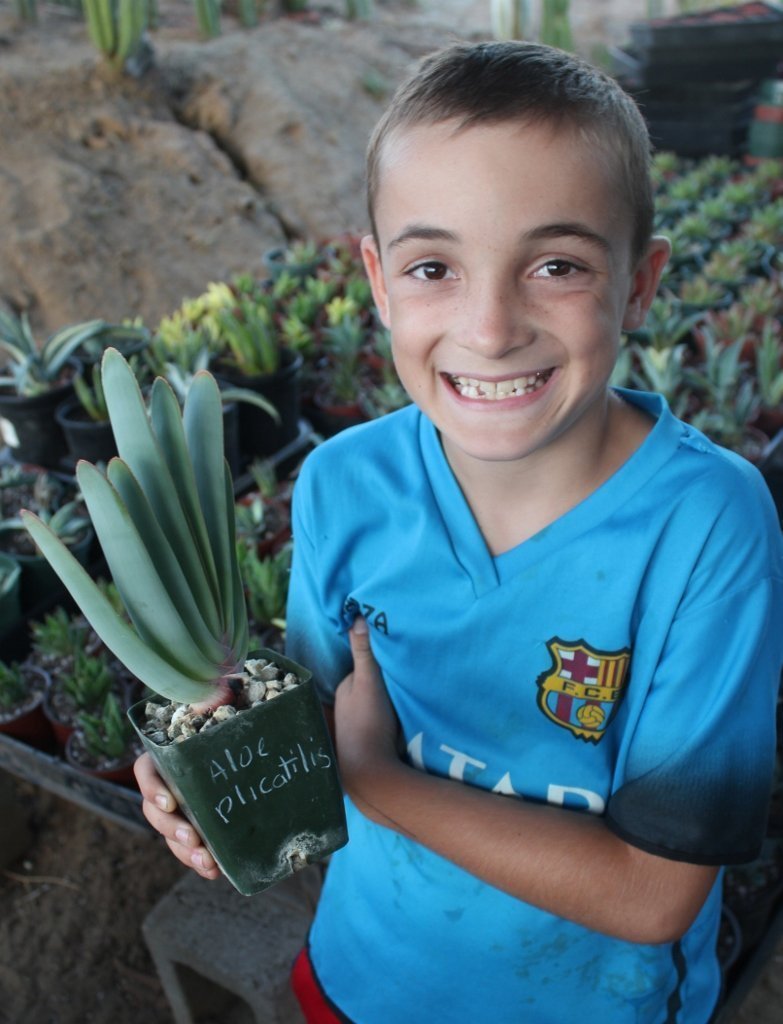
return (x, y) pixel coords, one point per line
(248, 775)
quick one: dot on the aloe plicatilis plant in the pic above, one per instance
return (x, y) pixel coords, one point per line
(164, 516)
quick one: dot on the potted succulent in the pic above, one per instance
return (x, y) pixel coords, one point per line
(83, 688)
(104, 743)
(22, 691)
(234, 325)
(265, 579)
(769, 379)
(256, 775)
(35, 379)
(338, 395)
(58, 503)
(299, 260)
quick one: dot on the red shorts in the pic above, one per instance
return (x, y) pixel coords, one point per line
(314, 1003)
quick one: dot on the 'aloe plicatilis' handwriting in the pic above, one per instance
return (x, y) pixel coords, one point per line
(279, 772)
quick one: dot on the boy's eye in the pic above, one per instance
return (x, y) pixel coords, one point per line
(431, 270)
(556, 268)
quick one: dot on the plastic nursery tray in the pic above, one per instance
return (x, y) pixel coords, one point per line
(697, 65)
(727, 26)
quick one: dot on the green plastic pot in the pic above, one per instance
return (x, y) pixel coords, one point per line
(262, 787)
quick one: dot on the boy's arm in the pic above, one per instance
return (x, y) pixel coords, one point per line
(544, 855)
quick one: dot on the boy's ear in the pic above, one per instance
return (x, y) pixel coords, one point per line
(646, 278)
(372, 264)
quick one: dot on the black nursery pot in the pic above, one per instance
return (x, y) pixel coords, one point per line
(84, 437)
(261, 788)
(29, 427)
(260, 435)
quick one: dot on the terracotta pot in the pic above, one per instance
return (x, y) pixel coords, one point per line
(77, 756)
(262, 787)
(60, 725)
(28, 721)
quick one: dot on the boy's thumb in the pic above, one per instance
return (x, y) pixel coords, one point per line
(360, 639)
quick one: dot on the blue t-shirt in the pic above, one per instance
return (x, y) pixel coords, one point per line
(624, 662)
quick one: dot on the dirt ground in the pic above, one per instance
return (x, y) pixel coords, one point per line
(119, 198)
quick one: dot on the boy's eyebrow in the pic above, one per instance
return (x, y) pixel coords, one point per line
(427, 233)
(569, 228)
(423, 232)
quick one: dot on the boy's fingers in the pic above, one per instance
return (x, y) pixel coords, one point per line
(151, 786)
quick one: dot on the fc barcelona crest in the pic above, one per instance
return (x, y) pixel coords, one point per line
(583, 688)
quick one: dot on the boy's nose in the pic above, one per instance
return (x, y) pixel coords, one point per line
(495, 320)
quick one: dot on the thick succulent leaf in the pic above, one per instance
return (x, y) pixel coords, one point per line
(166, 418)
(152, 611)
(203, 423)
(139, 449)
(241, 636)
(145, 664)
(169, 570)
(56, 351)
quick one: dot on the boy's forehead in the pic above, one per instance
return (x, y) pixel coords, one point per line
(557, 162)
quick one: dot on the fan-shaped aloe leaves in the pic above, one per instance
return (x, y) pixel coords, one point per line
(164, 517)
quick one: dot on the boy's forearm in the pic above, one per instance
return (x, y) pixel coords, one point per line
(564, 862)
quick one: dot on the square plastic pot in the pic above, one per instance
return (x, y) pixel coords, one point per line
(261, 788)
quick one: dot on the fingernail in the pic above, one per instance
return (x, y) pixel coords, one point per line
(183, 835)
(359, 625)
(201, 860)
(162, 801)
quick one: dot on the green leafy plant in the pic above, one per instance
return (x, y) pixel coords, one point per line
(510, 19)
(32, 369)
(358, 8)
(116, 28)
(13, 686)
(769, 367)
(178, 363)
(661, 370)
(208, 17)
(343, 341)
(109, 733)
(164, 515)
(266, 583)
(699, 290)
(26, 10)
(248, 334)
(58, 638)
(89, 681)
(665, 324)
(729, 399)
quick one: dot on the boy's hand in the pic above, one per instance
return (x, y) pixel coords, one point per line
(159, 809)
(366, 728)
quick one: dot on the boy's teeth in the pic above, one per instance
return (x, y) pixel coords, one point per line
(471, 387)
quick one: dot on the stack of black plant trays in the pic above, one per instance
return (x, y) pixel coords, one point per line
(697, 76)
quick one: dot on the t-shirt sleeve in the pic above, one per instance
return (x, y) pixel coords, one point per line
(696, 779)
(315, 630)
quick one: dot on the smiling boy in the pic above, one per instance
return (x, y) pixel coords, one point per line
(569, 601)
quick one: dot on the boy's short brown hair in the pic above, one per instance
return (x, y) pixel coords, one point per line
(493, 82)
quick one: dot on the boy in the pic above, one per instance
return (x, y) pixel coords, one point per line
(566, 603)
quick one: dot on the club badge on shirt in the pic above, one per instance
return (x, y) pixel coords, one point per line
(582, 689)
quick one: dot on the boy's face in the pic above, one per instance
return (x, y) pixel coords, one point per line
(504, 271)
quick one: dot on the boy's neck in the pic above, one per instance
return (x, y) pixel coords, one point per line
(512, 501)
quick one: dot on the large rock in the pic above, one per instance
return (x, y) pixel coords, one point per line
(119, 197)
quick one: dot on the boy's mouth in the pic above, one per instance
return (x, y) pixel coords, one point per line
(495, 390)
